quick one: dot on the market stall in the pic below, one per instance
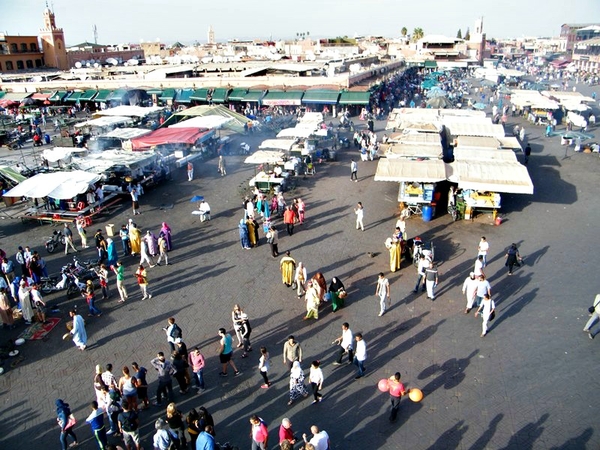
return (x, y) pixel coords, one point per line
(267, 179)
(417, 179)
(172, 136)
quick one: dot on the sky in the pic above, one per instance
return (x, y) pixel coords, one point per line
(187, 21)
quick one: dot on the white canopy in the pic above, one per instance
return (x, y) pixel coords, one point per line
(99, 162)
(60, 153)
(58, 185)
(311, 117)
(488, 142)
(278, 144)
(129, 111)
(484, 154)
(398, 170)
(490, 176)
(209, 122)
(423, 125)
(568, 96)
(126, 133)
(533, 99)
(413, 151)
(474, 128)
(104, 122)
(265, 157)
(297, 132)
(415, 138)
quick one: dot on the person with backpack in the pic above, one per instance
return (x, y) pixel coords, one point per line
(129, 427)
(173, 332)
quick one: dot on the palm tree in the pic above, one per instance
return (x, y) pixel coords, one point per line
(417, 34)
(403, 31)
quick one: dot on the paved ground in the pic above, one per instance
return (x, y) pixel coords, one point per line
(530, 384)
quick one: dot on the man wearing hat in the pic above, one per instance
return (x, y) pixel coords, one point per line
(470, 290)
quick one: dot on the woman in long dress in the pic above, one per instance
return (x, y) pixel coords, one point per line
(297, 388)
(251, 232)
(78, 331)
(244, 237)
(166, 231)
(321, 286)
(6, 312)
(335, 289)
(111, 250)
(135, 238)
(152, 242)
(25, 301)
(312, 301)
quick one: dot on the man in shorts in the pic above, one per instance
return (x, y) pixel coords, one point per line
(226, 352)
(128, 427)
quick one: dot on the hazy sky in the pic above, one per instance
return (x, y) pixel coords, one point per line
(129, 21)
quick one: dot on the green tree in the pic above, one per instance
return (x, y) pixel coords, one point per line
(459, 34)
(403, 31)
(417, 34)
(467, 35)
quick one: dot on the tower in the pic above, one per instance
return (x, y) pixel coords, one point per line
(211, 35)
(53, 42)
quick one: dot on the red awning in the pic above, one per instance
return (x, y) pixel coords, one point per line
(171, 136)
(40, 96)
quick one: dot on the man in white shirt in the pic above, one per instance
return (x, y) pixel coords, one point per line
(483, 287)
(383, 291)
(483, 248)
(360, 356)
(320, 439)
(478, 269)
(345, 343)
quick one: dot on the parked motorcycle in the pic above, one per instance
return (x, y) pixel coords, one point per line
(55, 240)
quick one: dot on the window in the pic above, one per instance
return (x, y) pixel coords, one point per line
(20, 65)
(24, 48)
(29, 63)
(0, 67)
(59, 45)
(13, 48)
(38, 63)
(9, 65)
(33, 47)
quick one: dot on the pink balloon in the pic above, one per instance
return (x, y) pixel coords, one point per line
(383, 385)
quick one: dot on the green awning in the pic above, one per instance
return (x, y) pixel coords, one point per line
(118, 95)
(74, 97)
(283, 98)
(58, 96)
(354, 98)
(237, 94)
(2, 94)
(252, 96)
(184, 96)
(430, 64)
(219, 95)
(321, 97)
(200, 95)
(88, 95)
(154, 91)
(12, 174)
(103, 95)
(167, 94)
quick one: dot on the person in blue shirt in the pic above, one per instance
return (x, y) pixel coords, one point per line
(96, 421)
(206, 439)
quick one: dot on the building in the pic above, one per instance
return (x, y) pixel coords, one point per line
(569, 31)
(53, 43)
(19, 53)
(586, 55)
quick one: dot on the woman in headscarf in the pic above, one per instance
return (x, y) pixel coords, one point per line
(287, 265)
(320, 285)
(312, 301)
(151, 240)
(135, 237)
(6, 312)
(244, 238)
(166, 232)
(512, 258)
(63, 413)
(394, 245)
(300, 279)
(297, 387)
(337, 292)
(111, 250)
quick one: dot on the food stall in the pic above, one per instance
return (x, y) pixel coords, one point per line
(267, 179)
(417, 181)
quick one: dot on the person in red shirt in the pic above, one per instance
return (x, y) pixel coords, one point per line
(259, 433)
(285, 432)
(397, 390)
(289, 217)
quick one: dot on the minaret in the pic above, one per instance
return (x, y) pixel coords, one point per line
(53, 42)
(211, 35)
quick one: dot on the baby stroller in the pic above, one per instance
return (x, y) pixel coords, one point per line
(421, 248)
